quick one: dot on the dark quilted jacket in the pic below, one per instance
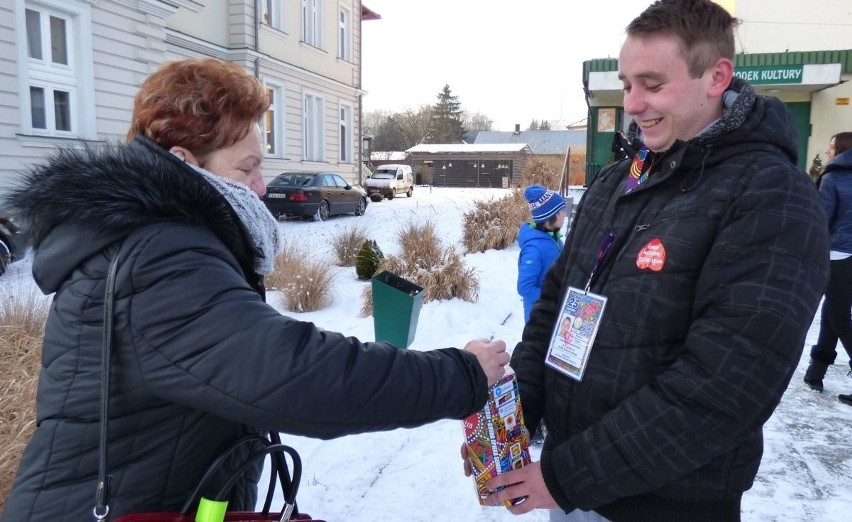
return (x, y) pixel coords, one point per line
(691, 360)
(199, 358)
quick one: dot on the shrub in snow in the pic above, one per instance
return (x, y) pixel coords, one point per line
(347, 244)
(441, 272)
(308, 286)
(494, 224)
(305, 284)
(22, 317)
(546, 172)
(368, 259)
(420, 245)
(288, 255)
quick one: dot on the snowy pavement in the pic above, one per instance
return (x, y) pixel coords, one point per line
(416, 474)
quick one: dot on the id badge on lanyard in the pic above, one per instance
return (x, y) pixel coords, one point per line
(577, 324)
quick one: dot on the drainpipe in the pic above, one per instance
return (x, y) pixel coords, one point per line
(360, 140)
(257, 39)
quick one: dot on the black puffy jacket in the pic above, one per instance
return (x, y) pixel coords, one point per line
(690, 360)
(199, 358)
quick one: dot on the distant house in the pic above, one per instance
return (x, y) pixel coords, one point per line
(72, 68)
(469, 165)
(541, 142)
(382, 157)
(552, 144)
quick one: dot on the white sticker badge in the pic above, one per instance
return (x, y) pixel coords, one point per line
(575, 331)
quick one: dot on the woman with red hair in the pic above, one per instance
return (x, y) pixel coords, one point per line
(199, 360)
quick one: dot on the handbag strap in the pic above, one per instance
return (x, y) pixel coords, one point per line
(101, 509)
(267, 449)
(214, 467)
(283, 473)
(272, 449)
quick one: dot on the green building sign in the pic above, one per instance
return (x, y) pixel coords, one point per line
(766, 74)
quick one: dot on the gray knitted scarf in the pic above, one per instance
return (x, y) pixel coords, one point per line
(259, 222)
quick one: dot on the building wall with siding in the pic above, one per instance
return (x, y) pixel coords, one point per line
(14, 156)
(776, 26)
(130, 39)
(126, 43)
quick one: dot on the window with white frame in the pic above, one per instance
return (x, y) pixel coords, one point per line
(312, 22)
(273, 120)
(344, 35)
(273, 13)
(314, 127)
(52, 74)
(345, 133)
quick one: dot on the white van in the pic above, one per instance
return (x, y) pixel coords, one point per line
(389, 180)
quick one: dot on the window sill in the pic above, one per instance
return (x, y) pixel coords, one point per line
(46, 141)
(308, 47)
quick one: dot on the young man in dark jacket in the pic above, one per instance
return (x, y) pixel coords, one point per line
(702, 256)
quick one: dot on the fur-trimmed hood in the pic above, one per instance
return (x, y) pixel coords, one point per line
(104, 193)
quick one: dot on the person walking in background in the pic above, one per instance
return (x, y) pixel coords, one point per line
(696, 264)
(540, 242)
(199, 359)
(835, 189)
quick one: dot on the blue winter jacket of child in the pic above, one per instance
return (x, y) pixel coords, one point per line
(539, 250)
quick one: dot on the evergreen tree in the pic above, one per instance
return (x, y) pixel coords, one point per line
(533, 125)
(545, 125)
(446, 124)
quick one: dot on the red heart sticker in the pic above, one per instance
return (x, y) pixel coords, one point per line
(652, 256)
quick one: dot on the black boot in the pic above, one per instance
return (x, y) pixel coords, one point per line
(813, 377)
(846, 399)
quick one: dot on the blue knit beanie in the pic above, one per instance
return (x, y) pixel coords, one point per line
(543, 203)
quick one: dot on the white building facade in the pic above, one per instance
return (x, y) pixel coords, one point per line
(70, 70)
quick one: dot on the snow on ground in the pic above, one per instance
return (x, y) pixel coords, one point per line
(416, 474)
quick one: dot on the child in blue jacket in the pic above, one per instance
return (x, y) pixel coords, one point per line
(540, 242)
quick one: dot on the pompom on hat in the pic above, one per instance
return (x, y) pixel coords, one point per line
(543, 203)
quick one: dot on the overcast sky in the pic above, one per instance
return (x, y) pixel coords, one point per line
(513, 61)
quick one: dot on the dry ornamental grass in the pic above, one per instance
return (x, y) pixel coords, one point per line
(441, 272)
(347, 244)
(308, 287)
(546, 172)
(305, 284)
(421, 247)
(494, 224)
(22, 320)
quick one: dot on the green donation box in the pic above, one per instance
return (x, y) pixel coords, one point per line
(396, 307)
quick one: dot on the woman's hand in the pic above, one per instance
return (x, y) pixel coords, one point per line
(492, 357)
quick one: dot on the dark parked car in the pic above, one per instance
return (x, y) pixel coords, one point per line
(11, 245)
(317, 194)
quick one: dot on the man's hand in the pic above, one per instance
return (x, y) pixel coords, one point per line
(524, 482)
(492, 357)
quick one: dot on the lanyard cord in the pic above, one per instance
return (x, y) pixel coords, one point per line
(606, 244)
